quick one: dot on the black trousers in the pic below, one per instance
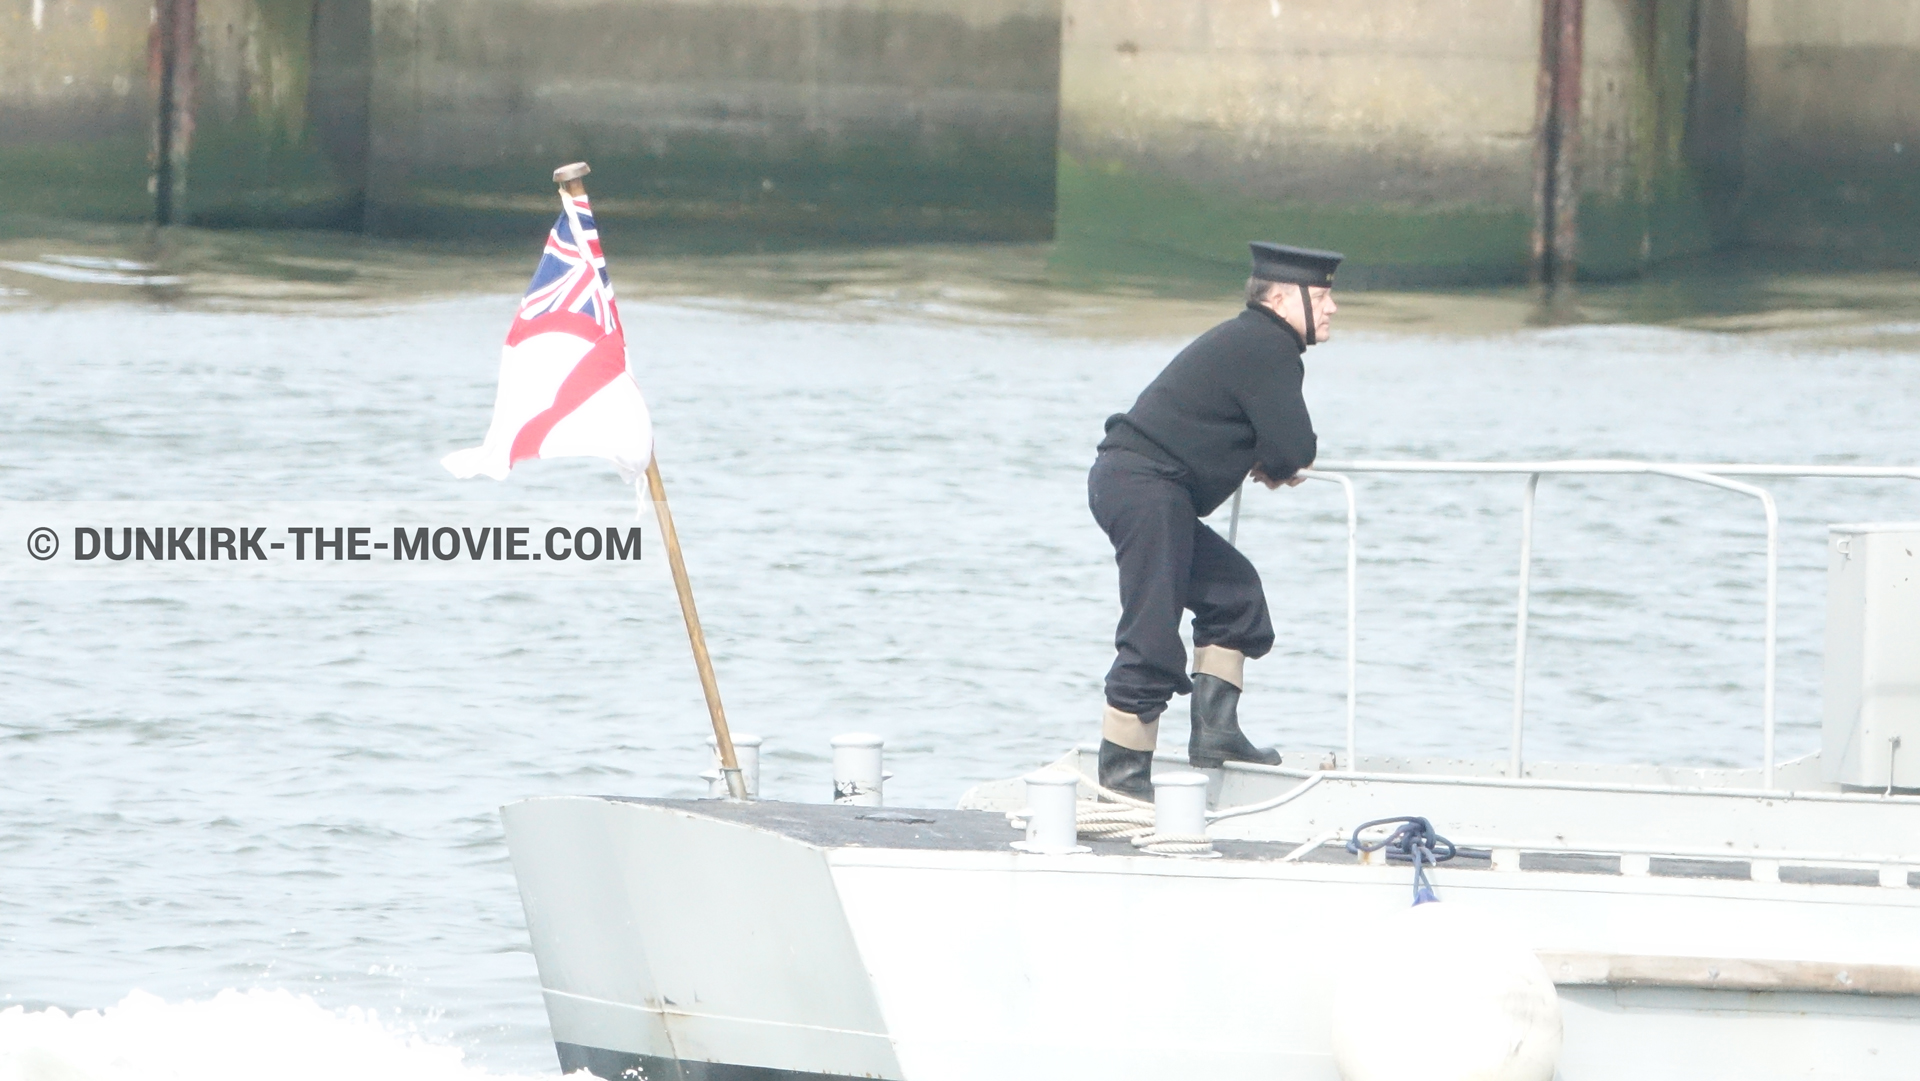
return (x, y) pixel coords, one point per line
(1169, 561)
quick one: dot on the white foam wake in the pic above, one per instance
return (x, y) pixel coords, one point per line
(233, 1036)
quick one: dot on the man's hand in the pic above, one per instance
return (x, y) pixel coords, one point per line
(1292, 482)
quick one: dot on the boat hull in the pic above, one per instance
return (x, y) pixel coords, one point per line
(705, 940)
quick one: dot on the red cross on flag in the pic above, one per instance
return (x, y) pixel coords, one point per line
(564, 390)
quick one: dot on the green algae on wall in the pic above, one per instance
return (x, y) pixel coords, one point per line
(75, 110)
(273, 134)
(1398, 133)
(1116, 222)
(280, 118)
(99, 179)
(1170, 131)
(720, 124)
(1404, 135)
(1641, 201)
(696, 192)
(1829, 150)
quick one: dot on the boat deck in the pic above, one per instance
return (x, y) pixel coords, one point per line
(833, 825)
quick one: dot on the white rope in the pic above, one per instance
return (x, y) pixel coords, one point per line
(1104, 820)
(1177, 844)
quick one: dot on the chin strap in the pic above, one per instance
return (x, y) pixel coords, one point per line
(1306, 308)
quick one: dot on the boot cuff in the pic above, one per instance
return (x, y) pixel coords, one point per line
(1221, 663)
(1128, 730)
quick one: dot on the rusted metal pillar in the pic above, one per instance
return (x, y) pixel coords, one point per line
(1540, 269)
(1556, 195)
(1566, 110)
(170, 68)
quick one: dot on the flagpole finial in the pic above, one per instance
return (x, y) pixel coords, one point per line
(568, 177)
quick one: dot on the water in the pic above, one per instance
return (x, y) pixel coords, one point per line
(257, 825)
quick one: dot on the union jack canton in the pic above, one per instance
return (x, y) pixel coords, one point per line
(572, 275)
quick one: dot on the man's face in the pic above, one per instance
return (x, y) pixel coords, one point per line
(1285, 300)
(1323, 309)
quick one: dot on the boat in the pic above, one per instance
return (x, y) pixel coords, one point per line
(1757, 923)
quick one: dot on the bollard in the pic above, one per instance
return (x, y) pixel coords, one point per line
(716, 784)
(1180, 804)
(857, 775)
(1051, 825)
(746, 751)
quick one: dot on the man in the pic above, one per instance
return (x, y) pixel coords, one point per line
(1226, 408)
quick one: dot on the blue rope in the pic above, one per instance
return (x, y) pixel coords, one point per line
(1413, 842)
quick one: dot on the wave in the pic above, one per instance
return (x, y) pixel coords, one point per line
(233, 1036)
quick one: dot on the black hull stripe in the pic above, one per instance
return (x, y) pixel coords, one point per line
(627, 1066)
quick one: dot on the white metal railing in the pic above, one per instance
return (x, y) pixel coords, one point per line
(1353, 590)
(1711, 474)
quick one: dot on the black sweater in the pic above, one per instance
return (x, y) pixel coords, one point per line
(1228, 402)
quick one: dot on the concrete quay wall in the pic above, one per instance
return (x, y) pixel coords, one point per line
(1148, 135)
(267, 123)
(1404, 134)
(1410, 134)
(760, 119)
(76, 108)
(1824, 156)
(278, 127)
(745, 122)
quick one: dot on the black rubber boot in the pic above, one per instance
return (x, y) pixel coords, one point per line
(1129, 773)
(1216, 728)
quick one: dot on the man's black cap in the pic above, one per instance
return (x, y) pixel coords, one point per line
(1303, 266)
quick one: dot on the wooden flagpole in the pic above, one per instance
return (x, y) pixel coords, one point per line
(570, 179)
